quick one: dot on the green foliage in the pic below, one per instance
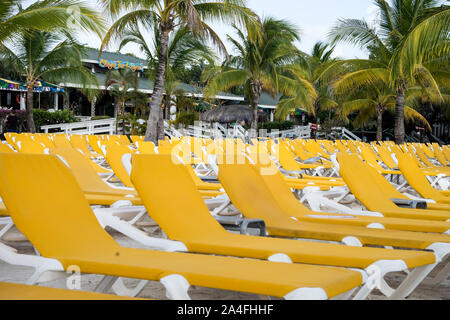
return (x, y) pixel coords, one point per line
(186, 118)
(100, 118)
(185, 103)
(45, 118)
(137, 125)
(280, 125)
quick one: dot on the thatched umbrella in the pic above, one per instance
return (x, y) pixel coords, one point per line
(231, 114)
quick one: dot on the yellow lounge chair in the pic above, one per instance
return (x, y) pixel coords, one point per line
(374, 176)
(294, 208)
(145, 147)
(6, 148)
(60, 242)
(88, 179)
(13, 291)
(113, 155)
(61, 141)
(418, 181)
(439, 154)
(30, 146)
(239, 189)
(79, 142)
(187, 219)
(374, 199)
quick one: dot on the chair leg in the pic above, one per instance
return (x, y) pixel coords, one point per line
(176, 287)
(8, 224)
(120, 289)
(411, 282)
(105, 284)
(442, 275)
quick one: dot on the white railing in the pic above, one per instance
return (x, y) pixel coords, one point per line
(298, 132)
(347, 134)
(107, 126)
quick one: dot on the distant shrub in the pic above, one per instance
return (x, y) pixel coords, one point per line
(284, 125)
(100, 118)
(186, 118)
(45, 118)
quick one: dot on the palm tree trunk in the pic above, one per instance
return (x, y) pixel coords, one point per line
(256, 95)
(379, 124)
(399, 129)
(161, 134)
(158, 91)
(29, 111)
(167, 108)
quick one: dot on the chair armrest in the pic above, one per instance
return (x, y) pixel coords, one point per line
(242, 225)
(297, 173)
(313, 160)
(210, 179)
(412, 204)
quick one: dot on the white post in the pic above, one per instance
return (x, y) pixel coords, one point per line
(271, 116)
(56, 101)
(8, 99)
(22, 102)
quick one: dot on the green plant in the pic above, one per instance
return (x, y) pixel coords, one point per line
(408, 40)
(282, 125)
(45, 118)
(260, 63)
(100, 118)
(186, 118)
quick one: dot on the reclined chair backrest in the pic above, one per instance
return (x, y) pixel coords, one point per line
(446, 150)
(135, 139)
(440, 156)
(145, 147)
(82, 169)
(29, 146)
(385, 156)
(423, 157)
(287, 160)
(11, 137)
(157, 177)
(300, 151)
(417, 180)
(120, 139)
(276, 184)
(354, 171)
(93, 142)
(114, 155)
(370, 157)
(61, 141)
(79, 142)
(74, 232)
(5, 148)
(44, 140)
(243, 185)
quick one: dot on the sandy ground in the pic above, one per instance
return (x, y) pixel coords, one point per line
(154, 290)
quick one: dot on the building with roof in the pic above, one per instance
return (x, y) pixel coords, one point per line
(100, 65)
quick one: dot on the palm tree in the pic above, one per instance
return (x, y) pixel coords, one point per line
(259, 64)
(121, 83)
(310, 71)
(166, 16)
(39, 55)
(47, 15)
(184, 49)
(373, 101)
(401, 71)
